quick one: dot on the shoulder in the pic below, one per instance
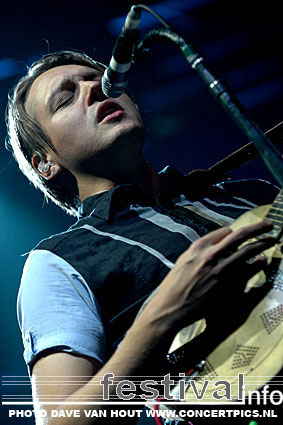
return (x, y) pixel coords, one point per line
(55, 240)
(45, 272)
(69, 236)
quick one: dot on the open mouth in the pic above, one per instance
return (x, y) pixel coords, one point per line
(108, 110)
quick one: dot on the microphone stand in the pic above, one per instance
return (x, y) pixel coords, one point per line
(270, 155)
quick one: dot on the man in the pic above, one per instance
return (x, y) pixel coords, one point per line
(136, 230)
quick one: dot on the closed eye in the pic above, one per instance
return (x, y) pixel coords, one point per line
(64, 99)
(64, 94)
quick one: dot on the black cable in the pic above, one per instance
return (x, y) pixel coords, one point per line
(156, 15)
(143, 48)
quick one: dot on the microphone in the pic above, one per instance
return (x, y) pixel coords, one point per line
(116, 77)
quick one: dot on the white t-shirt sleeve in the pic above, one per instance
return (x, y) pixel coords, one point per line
(57, 309)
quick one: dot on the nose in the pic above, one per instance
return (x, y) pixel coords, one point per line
(92, 92)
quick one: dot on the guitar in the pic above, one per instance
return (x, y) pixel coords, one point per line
(256, 348)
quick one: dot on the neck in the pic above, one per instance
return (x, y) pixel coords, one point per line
(143, 176)
(148, 180)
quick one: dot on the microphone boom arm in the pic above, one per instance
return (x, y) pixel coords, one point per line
(269, 153)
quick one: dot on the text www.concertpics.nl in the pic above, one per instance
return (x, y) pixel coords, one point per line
(120, 413)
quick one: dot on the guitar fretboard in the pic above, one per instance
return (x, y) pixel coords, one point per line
(275, 214)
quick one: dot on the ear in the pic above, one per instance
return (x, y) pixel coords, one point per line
(46, 168)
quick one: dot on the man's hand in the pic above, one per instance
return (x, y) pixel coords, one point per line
(213, 272)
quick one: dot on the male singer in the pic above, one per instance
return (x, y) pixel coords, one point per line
(136, 229)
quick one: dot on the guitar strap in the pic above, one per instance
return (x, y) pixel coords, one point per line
(240, 157)
(246, 153)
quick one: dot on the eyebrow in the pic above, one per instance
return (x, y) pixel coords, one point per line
(65, 80)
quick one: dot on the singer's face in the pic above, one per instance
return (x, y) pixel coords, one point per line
(82, 123)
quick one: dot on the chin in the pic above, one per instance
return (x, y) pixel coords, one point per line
(130, 132)
(133, 135)
(123, 147)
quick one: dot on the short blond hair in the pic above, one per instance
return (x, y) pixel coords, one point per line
(26, 135)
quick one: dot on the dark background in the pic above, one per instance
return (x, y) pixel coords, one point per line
(242, 43)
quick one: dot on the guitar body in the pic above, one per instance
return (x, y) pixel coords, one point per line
(256, 348)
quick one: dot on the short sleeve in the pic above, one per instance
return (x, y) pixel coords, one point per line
(57, 310)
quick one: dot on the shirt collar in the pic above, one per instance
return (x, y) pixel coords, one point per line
(105, 205)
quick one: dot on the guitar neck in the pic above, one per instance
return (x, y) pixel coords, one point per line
(275, 215)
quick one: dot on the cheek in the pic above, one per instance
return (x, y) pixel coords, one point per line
(134, 111)
(67, 131)
(129, 103)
